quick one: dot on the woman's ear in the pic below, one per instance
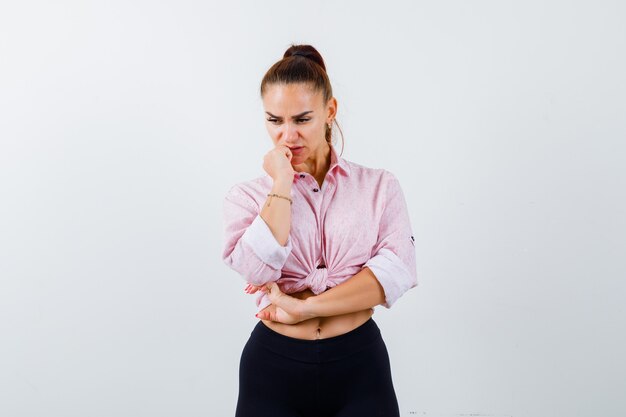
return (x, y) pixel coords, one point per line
(331, 108)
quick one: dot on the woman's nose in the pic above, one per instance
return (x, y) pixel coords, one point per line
(290, 132)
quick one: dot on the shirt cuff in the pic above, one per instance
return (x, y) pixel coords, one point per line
(392, 274)
(262, 241)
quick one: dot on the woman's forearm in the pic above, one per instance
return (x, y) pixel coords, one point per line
(277, 215)
(357, 293)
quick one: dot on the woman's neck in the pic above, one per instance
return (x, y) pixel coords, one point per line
(317, 167)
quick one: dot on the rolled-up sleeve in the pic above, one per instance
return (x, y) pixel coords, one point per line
(393, 261)
(250, 247)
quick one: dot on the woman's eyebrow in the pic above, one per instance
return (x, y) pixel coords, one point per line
(297, 116)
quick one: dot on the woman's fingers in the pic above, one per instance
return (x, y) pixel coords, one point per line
(274, 293)
(284, 308)
(277, 162)
(251, 289)
(277, 314)
(268, 313)
(288, 154)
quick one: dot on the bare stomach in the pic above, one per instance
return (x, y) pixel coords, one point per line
(320, 327)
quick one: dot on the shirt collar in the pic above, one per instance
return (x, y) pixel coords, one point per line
(338, 161)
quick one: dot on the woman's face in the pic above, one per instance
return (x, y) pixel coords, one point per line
(296, 116)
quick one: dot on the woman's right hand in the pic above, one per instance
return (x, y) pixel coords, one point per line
(277, 164)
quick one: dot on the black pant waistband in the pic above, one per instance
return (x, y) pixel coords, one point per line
(317, 350)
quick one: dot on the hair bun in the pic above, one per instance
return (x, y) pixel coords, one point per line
(306, 51)
(300, 53)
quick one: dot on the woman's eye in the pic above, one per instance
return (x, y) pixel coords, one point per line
(272, 120)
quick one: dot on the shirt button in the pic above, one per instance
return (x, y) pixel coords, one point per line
(315, 190)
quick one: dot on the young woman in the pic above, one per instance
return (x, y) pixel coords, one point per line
(321, 241)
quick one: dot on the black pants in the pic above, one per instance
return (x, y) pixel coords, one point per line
(343, 376)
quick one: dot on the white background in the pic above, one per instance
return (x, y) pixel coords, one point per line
(123, 123)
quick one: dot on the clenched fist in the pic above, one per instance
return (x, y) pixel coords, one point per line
(277, 164)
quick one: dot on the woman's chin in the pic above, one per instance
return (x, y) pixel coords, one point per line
(297, 160)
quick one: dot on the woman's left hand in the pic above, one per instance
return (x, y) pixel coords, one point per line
(284, 308)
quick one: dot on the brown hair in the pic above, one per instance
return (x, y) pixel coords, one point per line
(302, 64)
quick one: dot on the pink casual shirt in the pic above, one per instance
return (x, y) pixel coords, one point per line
(358, 218)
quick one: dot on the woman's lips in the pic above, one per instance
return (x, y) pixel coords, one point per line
(297, 151)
